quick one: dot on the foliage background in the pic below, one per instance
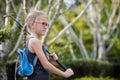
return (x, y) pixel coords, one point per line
(79, 47)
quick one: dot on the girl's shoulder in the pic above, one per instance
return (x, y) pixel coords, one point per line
(33, 41)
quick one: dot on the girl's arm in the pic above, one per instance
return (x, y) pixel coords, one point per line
(35, 46)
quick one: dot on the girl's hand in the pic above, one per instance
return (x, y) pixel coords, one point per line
(69, 72)
(53, 57)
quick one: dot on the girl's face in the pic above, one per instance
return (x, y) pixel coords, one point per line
(40, 25)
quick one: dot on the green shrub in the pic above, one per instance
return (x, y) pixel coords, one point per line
(95, 78)
(4, 34)
(11, 71)
(83, 68)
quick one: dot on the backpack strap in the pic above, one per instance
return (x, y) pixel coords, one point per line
(35, 60)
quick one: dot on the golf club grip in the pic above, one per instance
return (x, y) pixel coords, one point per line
(61, 65)
(58, 62)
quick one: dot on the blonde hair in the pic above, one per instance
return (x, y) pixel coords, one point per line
(31, 17)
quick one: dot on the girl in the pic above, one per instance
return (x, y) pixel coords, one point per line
(37, 23)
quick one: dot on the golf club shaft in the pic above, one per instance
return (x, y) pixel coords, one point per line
(58, 62)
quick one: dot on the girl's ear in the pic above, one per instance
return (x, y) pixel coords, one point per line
(31, 23)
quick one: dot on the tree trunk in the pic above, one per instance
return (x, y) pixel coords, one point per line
(101, 51)
(3, 72)
(7, 11)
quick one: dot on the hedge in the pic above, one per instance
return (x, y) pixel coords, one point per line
(93, 68)
(81, 68)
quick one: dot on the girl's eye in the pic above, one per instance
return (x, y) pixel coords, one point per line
(44, 24)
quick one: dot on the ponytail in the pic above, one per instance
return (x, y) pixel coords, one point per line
(24, 36)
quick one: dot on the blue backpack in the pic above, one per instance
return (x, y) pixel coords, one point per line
(25, 68)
